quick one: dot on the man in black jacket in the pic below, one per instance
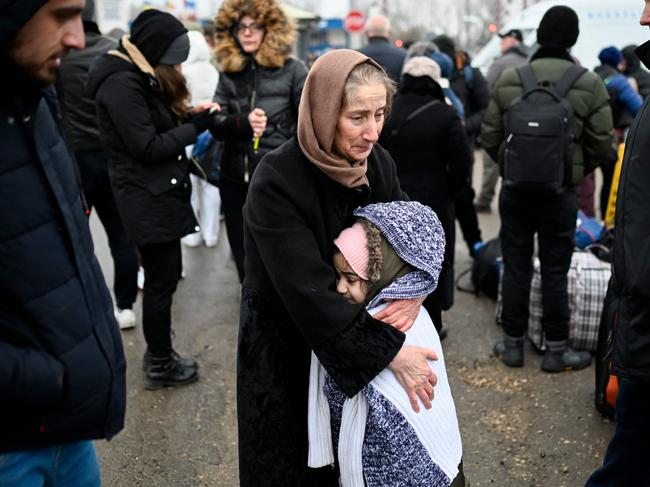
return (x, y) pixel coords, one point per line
(470, 86)
(631, 67)
(626, 461)
(62, 373)
(380, 49)
(83, 136)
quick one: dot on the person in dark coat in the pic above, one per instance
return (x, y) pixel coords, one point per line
(631, 67)
(62, 372)
(380, 49)
(470, 86)
(550, 215)
(259, 92)
(302, 195)
(628, 304)
(83, 135)
(432, 157)
(145, 125)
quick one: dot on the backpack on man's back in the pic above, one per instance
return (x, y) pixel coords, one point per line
(539, 124)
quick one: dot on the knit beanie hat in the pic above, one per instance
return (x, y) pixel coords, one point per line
(445, 62)
(177, 52)
(422, 66)
(446, 44)
(16, 14)
(153, 32)
(88, 13)
(610, 56)
(353, 244)
(558, 27)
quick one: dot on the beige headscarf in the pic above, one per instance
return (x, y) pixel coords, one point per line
(320, 103)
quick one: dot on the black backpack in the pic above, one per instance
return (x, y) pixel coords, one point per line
(485, 270)
(539, 125)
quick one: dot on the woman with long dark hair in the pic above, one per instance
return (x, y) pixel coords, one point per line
(145, 122)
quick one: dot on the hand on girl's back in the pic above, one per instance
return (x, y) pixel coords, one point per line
(411, 367)
(401, 314)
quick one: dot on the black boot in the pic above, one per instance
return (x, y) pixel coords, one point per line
(168, 372)
(561, 358)
(184, 361)
(510, 350)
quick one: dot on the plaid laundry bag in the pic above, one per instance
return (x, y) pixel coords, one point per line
(587, 285)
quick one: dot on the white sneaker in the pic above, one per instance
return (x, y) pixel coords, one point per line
(140, 278)
(125, 318)
(210, 242)
(192, 240)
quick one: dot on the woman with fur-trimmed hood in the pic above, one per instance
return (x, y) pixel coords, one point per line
(259, 92)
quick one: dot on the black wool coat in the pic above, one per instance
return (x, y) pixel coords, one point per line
(290, 306)
(432, 155)
(628, 300)
(62, 366)
(148, 168)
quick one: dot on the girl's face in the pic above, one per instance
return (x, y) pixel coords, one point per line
(348, 283)
(249, 34)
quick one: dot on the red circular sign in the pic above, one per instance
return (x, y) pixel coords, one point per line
(354, 21)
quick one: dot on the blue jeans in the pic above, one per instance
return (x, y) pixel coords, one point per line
(65, 465)
(626, 461)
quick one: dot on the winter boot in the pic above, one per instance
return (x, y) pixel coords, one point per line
(510, 350)
(168, 372)
(561, 358)
(184, 361)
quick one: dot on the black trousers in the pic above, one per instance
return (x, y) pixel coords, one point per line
(553, 218)
(162, 270)
(97, 191)
(626, 460)
(466, 213)
(233, 197)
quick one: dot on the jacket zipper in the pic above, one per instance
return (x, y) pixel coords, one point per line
(253, 100)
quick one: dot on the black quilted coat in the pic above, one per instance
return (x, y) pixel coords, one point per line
(148, 167)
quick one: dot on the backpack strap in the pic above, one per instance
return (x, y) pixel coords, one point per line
(569, 78)
(412, 115)
(527, 77)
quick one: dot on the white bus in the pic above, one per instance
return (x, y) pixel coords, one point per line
(602, 23)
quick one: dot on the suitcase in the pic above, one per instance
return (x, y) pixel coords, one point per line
(587, 284)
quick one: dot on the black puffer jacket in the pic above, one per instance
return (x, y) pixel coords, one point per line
(629, 296)
(274, 90)
(145, 144)
(62, 367)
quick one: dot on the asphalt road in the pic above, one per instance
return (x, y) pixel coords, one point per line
(520, 427)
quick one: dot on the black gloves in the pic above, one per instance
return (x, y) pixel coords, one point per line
(201, 121)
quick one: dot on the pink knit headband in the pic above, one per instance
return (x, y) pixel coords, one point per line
(353, 244)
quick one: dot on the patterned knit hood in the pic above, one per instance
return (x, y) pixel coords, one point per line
(416, 235)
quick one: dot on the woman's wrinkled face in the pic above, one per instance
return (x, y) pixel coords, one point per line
(360, 123)
(249, 34)
(348, 283)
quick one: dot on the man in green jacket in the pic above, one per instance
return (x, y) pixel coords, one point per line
(551, 215)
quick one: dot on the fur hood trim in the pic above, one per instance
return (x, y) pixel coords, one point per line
(277, 43)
